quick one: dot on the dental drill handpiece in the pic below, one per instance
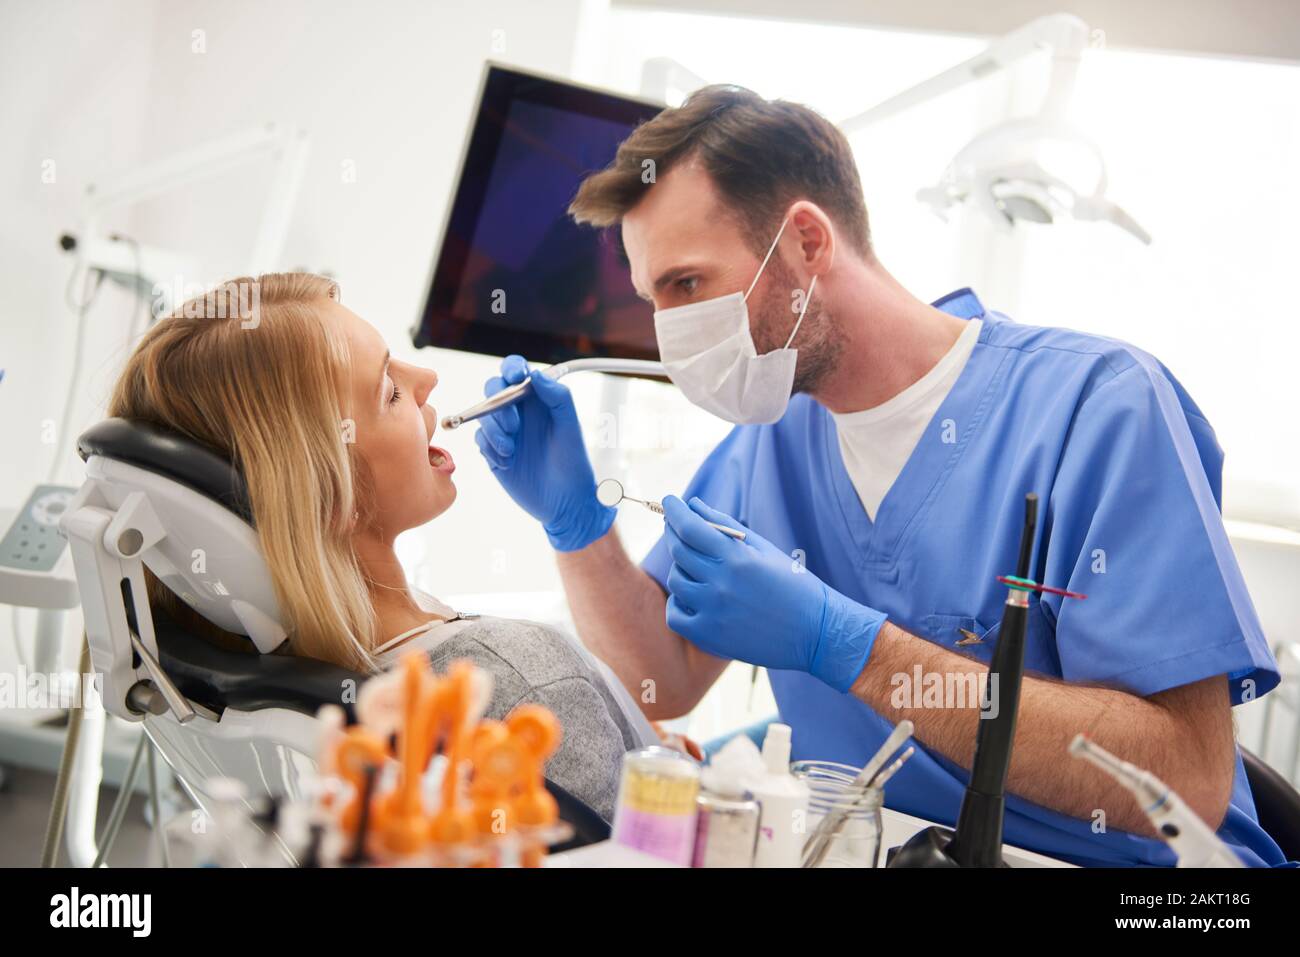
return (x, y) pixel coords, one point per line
(1177, 824)
(513, 393)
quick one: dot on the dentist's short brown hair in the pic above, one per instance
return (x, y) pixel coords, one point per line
(762, 155)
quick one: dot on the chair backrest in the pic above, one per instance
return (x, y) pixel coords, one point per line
(1277, 804)
(209, 554)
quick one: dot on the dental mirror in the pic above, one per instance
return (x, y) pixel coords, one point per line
(610, 492)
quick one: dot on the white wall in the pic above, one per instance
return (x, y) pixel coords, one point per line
(74, 91)
(386, 93)
(386, 89)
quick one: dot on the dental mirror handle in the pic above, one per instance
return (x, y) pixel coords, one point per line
(512, 394)
(615, 494)
(724, 529)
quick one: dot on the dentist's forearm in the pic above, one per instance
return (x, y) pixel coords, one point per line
(619, 613)
(1184, 735)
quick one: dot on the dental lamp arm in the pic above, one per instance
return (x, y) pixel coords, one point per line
(1100, 209)
(1065, 35)
(202, 163)
(991, 158)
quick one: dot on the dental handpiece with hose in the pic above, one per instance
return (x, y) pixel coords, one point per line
(515, 393)
(1177, 824)
(531, 438)
(529, 432)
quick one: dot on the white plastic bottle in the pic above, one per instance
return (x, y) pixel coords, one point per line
(783, 798)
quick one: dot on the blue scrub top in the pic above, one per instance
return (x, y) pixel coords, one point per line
(1127, 471)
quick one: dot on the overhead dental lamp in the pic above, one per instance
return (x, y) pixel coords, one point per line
(1038, 169)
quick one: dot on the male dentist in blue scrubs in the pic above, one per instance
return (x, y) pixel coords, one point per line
(879, 464)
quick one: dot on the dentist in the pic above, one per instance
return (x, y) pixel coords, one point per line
(882, 450)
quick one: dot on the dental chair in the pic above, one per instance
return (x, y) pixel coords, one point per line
(153, 498)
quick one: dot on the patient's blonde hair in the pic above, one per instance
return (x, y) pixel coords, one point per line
(253, 371)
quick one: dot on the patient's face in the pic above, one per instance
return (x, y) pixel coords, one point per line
(411, 478)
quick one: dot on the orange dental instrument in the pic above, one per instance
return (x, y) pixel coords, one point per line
(491, 806)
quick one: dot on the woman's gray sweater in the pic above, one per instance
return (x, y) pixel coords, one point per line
(530, 662)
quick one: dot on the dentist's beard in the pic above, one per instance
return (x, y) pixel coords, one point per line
(818, 340)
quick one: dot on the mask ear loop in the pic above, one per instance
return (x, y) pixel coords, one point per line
(806, 299)
(770, 249)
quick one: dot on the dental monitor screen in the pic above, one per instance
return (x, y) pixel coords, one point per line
(514, 273)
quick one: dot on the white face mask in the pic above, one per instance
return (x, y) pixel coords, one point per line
(709, 354)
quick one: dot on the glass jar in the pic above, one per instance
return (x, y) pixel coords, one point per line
(831, 788)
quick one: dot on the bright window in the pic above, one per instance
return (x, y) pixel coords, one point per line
(1202, 152)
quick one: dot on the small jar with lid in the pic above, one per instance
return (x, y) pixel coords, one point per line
(726, 830)
(656, 810)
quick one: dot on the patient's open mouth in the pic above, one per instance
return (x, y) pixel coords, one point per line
(441, 460)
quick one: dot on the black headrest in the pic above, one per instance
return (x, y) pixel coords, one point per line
(218, 678)
(172, 455)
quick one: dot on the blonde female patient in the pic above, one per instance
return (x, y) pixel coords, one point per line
(334, 439)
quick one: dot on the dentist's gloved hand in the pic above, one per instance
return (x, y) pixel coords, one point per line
(535, 450)
(750, 601)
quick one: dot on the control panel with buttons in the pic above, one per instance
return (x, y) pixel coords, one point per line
(33, 542)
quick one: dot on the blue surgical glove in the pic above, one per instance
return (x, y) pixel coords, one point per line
(535, 450)
(750, 601)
